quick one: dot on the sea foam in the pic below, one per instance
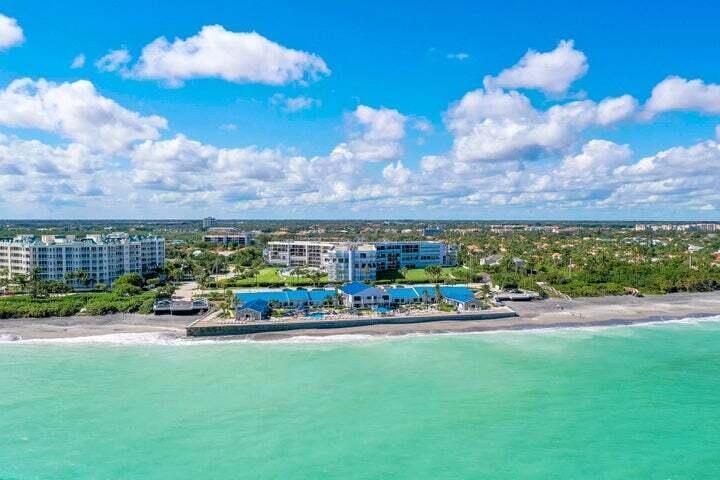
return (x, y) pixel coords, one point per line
(171, 339)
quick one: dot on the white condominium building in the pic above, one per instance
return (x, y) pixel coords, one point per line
(226, 236)
(419, 254)
(298, 253)
(348, 261)
(103, 257)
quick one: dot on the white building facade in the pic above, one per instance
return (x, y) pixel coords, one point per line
(227, 236)
(103, 257)
(298, 253)
(348, 262)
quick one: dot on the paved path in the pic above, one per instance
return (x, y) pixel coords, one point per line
(185, 290)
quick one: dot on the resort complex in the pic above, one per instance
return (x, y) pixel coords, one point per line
(353, 297)
(353, 261)
(102, 258)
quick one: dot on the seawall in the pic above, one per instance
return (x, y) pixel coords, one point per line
(198, 329)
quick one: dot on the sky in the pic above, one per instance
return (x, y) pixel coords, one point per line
(368, 110)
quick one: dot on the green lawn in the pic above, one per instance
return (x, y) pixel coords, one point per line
(270, 275)
(415, 275)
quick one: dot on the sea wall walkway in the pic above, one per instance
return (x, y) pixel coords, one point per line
(203, 328)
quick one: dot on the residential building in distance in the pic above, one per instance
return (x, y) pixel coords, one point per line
(293, 253)
(208, 222)
(677, 227)
(227, 236)
(348, 261)
(432, 231)
(103, 257)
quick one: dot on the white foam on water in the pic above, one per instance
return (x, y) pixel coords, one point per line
(170, 339)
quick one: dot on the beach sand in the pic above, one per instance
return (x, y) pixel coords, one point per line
(552, 313)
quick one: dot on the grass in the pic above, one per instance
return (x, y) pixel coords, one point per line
(413, 275)
(270, 276)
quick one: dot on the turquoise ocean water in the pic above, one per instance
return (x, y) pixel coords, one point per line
(615, 403)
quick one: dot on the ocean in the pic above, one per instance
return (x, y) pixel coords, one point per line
(631, 402)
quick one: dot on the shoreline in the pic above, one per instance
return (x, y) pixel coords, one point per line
(542, 314)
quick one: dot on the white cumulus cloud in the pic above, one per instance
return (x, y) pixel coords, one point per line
(241, 57)
(75, 111)
(677, 93)
(552, 72)
(11, 34)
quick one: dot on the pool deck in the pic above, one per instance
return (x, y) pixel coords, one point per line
(209, 326)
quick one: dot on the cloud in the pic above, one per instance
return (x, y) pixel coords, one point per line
(75, 111)
(458, 56)
(676, 93)
(396, 173)
(78, 61)
(380, 131)
(613, 110)
(11, 34)
(294, 104)
(699, 159)
(494, 125)
(36, 174)
(114, 60)
(31, 157)
(597, 157)
(240, 57)
(552, 72)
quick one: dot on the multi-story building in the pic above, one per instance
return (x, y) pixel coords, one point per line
(347, 261)
(208, 222)
(226, 236)
(419, 254)
(294, 253)
(103, 257)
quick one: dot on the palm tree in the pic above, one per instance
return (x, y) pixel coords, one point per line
(434, 272)
(21, 280)
(404, 272)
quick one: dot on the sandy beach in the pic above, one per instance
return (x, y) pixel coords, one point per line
(552, 313)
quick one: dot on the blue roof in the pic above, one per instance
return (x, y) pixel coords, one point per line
(402, 293)
(320, 295)
(459, 294)
(426, 291)
(353, 288)
(258, 305)
(269, 296)
(287, 296)
(297, 295)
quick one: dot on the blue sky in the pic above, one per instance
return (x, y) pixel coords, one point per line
(376, 110)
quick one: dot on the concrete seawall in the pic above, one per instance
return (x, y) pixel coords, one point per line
(198, 329)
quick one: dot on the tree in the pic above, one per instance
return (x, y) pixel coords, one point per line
(203, 280)
(21, 280)
(228, 302)
(316, 275)
(404, 272)
(434, 272)
(4, 280)
(37, 287)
